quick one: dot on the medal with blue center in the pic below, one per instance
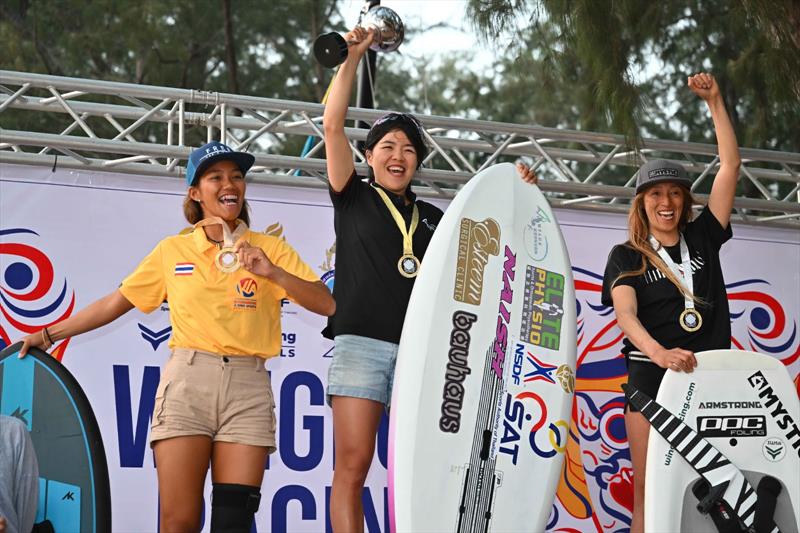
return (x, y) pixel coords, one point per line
(408, 264)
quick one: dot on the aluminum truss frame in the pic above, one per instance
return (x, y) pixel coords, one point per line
(103, 119)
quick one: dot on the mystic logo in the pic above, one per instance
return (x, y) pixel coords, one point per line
(542, 308)
(774, 450)
(732, 426)
(457, 371)
(778, 412)
(247, 287)
(20, 414)
(155, 338)
(534, 235)
(476, 242)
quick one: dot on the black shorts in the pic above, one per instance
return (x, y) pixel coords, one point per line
(644, 376)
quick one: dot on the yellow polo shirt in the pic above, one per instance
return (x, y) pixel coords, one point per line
(237, 313)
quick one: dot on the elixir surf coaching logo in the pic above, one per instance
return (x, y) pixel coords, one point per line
(535, 237)
(476, 242)
(31, 295)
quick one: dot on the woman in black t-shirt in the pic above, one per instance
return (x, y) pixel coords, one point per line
(382, 233)
(666, 315)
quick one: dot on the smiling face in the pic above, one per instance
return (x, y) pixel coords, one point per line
(220, 191)
(663, 206)
(394, 161)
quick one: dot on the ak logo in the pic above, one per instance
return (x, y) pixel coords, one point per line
(247, 287)
(774, 450)
(155, 338)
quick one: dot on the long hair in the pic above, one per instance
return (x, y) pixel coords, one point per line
(193, 211)
(638, 233)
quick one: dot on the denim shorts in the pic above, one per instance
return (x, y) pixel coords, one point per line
(362, 368)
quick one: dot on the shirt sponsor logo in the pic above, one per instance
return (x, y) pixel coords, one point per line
(476, 242)
(776, 409)
(184, 269)
(542, 308)
(246, 288)
(456, 371)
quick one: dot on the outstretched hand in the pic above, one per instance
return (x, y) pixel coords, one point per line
(704, 85)
(527, 174)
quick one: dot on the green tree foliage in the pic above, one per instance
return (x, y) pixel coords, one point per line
(752, 47)
(181, 43)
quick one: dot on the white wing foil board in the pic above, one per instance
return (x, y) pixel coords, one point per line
(745, 405)
(486, 366)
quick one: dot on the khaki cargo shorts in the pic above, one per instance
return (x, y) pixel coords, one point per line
(226, 397)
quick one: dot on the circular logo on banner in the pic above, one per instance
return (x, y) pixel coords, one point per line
(774, 449)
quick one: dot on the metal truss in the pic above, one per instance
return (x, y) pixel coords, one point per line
(140, 129)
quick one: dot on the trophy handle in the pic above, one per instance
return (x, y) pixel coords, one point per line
(330, 49)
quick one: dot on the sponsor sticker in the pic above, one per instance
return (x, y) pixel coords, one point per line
(476, 242)
(774, 449)
(542, 308)
(732, 426)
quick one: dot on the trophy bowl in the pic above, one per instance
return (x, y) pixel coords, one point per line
(330, 49)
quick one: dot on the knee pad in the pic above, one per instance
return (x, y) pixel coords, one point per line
(233, 507)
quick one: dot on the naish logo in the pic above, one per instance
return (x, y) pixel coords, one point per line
(778, 412)
(476, 242)
(504, 314)
(729, 405)
(542, 308)
(456, 371)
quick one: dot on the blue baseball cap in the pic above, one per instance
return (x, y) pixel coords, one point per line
(208, 154)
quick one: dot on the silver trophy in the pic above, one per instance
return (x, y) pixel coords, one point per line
(330, 49)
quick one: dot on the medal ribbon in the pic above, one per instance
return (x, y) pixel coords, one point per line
(683, 272)
(408, 235)
(228, 238)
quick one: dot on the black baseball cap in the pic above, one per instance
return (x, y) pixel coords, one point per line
(660, 171)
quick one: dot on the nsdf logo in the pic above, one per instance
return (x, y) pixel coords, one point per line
(32, 295)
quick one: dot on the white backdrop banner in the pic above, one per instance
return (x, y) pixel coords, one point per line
(95, 227)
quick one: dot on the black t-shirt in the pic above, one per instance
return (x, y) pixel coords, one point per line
(660, 303)
(371, 295)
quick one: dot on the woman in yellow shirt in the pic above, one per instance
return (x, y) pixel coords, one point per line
(214, 403)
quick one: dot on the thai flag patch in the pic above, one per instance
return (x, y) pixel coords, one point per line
(184, 269)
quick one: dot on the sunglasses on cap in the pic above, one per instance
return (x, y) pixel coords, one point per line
(401, 117)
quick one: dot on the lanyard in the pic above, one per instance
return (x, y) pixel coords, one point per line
(408, 265)
(690, 319)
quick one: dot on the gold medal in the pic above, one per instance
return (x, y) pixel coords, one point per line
(690, 320)
(408, 265)
(226, 260)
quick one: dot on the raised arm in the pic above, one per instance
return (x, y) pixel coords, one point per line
(99, 313)
(337, 149)
(625, 308)
(723, 189)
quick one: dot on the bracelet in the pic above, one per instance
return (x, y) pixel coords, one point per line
(46, 340)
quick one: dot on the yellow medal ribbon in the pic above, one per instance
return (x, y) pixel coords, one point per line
(408, 264)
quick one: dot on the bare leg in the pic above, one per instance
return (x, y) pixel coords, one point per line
(638, 429)
(238, 463)
(182, 464)
(355, 424)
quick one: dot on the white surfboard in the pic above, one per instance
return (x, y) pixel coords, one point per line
(486, 367)
(744, 404)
